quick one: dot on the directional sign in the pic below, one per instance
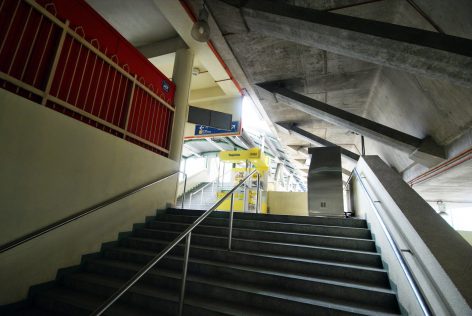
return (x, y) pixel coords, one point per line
(202, 130)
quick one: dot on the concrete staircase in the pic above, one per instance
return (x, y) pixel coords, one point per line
(280, 265)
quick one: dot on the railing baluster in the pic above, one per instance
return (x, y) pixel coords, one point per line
(111, 92)
(117, 101)
(184, 273)
(82, 79)
(90, 81)
(130, 104)
(52, 73)
(104, 91)
(19, 41)
(71, 82)
(9, 26)
(98, 85)
(65, 65)
(30, 50)
(42, 56)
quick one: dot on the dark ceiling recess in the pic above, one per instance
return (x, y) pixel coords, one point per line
(209, 118)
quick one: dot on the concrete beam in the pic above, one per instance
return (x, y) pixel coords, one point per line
(313, 139)
(163, 47)
(424, 151)
(427, 53)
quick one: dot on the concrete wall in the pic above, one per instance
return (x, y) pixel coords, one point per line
(467, 235)
(287, 203)
(52, 166)
(438, 256)
(193, 181)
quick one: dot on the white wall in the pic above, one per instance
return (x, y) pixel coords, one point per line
(52, 166)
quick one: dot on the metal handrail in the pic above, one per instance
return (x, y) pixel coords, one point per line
(39, 232)
(201, 189)
(398, 254)
(185, 234)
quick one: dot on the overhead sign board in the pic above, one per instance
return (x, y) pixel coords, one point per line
(203, 130)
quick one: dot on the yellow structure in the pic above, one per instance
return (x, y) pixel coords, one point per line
(254, 155)
(261, 164)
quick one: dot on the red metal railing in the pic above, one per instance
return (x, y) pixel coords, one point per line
(63, 64)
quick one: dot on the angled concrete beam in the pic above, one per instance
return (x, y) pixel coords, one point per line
(311, 138)
(424, 151)
(431, 54)
(163, 47)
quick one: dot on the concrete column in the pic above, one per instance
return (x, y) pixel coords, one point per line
(181, 76)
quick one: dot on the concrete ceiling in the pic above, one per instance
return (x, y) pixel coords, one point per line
(145, 23)
(139, 21)
(409, 102)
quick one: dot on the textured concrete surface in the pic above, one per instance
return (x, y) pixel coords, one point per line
(414, 104)
(438, 256)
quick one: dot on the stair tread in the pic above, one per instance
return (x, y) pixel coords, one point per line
(228, 308)
(90, 302)
(278, 232)
(269, 255)
(265, 221)
(367, 253)
(120, 263)
(249, 288)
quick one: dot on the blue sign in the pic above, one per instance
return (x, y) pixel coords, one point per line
(201, 130)
(165, 86)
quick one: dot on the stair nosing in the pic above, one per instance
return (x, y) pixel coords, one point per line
(251, 269)
(144, 289)
(274, 232)
(265, 255)
(267, 242)
(264, 221)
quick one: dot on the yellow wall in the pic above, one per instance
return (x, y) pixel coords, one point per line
(287, 203)
(52, 166)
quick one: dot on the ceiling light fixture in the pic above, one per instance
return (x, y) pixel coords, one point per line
(201, 30)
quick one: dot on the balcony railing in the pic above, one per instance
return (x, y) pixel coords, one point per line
(44, 58)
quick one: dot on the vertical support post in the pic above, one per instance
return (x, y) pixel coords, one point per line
(230, 228)
(182, 76)
(130, 104)
(55, 62)
(184, 273)
(363, 145)
(258, 198)
(185, 189)
(223, 175)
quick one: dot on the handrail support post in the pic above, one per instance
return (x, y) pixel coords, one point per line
(258, 192)
(230, 228)
(185, 189)
(184, 273)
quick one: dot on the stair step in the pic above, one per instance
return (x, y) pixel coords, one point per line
(315, 220)
(310, 268)
(262, 278)
(65, 301)
(371, 259)
(341, 231)
(238, 294)
(263, 235)
(278, 265)
(162, 300)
